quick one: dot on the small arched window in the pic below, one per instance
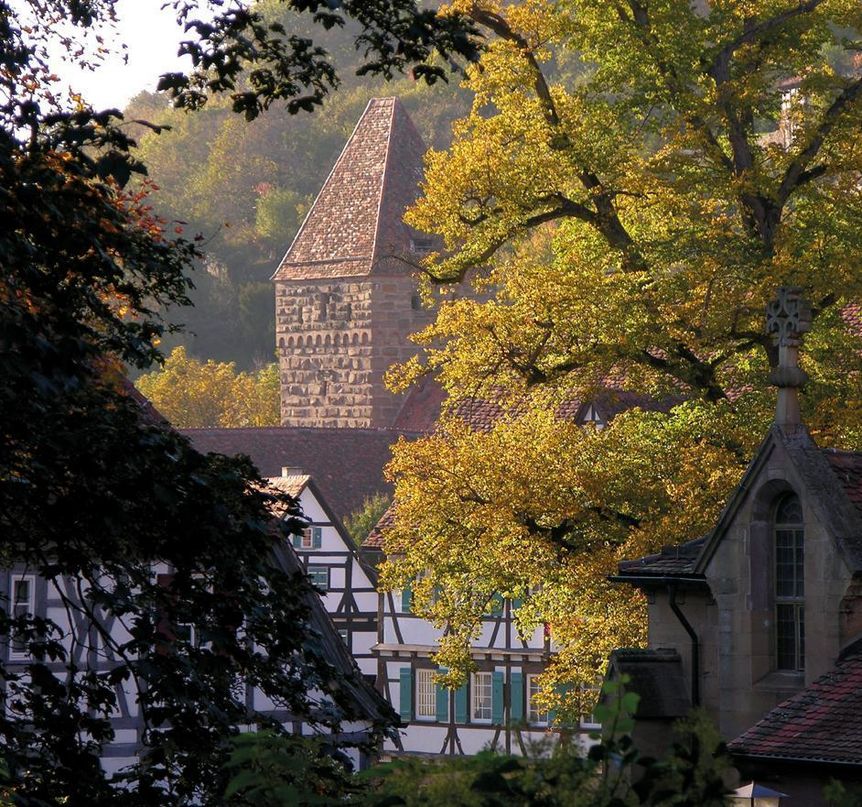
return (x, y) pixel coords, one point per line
(789, 584)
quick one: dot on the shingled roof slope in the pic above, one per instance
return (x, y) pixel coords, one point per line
(346, 464)
(367, 701)
(671, 561)
(355, 221)
(823, 723)
(847, 466)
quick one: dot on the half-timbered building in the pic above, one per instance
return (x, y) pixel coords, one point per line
(347, 583)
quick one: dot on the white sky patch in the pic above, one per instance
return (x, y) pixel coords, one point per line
(151, 36)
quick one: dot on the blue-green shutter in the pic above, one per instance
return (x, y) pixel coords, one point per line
(562, 690)
(406, 599)
(405, 706)
(497, 603)
(517, 696)
(442, 700)
(316, 537)
(517, 603)
(461, 704)
(497, 698)
(297, 541)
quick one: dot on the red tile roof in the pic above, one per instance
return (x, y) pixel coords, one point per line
(375, 537)
(421, 408)
(346, 464)
(823, 723)
(847, 466)
(355, 222)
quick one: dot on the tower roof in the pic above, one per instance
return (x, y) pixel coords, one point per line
(355, 224)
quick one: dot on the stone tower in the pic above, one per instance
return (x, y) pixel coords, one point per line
(345, 295)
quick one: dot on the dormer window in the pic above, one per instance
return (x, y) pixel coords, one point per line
(591, 416)
(421, 245)
(789, 584)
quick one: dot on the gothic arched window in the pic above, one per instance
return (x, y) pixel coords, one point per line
(789, 584)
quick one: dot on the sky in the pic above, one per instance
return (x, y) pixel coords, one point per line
(151, 35)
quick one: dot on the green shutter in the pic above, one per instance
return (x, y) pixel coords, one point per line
(461, 704)
(497, 602)
(297, 541)
(497, 698)
(406, 599)
(517, 697)
(517, 603)
(316, 537)
(405, 707)
(562, 690)
(442, 700)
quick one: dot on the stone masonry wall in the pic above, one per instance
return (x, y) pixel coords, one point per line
(335, 340)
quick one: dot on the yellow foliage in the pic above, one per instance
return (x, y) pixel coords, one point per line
(624, 219)
(195, 394)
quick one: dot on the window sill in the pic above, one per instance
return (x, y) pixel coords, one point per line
(781, 681)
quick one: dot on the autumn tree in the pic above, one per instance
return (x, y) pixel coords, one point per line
(96, 491)
(195, 394)
(624, 224)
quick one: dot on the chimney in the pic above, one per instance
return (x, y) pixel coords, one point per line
(289, 470)
(787, 318)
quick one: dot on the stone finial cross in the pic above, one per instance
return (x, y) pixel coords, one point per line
(787, 318)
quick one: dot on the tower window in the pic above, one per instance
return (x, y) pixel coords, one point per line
(323, 306)
(415, 302)
(789, 584)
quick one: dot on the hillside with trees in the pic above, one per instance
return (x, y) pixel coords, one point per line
(245, 186)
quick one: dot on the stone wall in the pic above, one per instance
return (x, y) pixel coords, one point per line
(335, 341)
(739, 682)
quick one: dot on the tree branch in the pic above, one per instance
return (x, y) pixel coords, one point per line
(798, 172)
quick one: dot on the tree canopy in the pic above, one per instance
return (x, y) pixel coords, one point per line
(195, 394)
(625, 224)
(97, 493)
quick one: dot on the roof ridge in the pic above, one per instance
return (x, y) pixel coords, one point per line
(383, 178)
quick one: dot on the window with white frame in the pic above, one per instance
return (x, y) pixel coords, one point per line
(22, 601)
(426, 695)
(591, 416)
(307, 539)
(482, 696)
(536, 714)
(319, 575)
(590, 698)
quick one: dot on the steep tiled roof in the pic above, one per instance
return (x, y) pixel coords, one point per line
(346, 464)
(292, 485)
(421, 407)
(847, 466)
(355, 221)
(375, 537)
(367, 702)
(148, 413)
(823, 723)
(671, 561)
